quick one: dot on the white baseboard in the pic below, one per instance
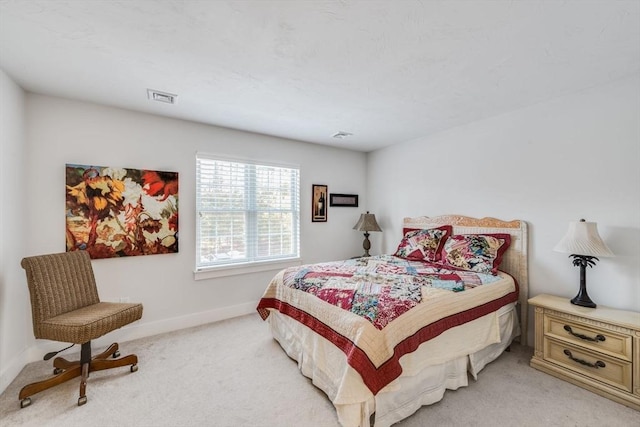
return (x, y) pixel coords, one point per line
(13, 368)
(142, 330)
(130, 332)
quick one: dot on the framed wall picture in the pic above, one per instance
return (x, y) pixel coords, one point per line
(348, 200)
(319, 203)
(116, 212)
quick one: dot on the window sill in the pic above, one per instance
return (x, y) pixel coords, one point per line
(245, 268)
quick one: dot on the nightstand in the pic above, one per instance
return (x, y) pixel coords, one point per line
(594, 348)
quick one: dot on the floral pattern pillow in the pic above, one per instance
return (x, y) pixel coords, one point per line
(423, 244)
(481, 253)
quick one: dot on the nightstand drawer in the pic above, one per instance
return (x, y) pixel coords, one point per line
(589, 336)
(594, 365)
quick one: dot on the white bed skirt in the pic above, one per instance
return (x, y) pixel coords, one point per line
(437, 365)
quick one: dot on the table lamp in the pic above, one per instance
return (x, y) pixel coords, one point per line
(584, 244)
(367, 223)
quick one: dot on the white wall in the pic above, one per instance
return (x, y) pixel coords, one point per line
(574, 157)
(15, 319)
(61, 131)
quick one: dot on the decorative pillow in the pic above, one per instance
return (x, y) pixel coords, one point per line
(423, 244)
(481, 253)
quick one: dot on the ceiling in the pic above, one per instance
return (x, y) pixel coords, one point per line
(384, 71)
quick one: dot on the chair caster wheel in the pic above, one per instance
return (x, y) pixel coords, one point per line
(25, 402)
(57, 371)
(82, 400)
(134, 368)
(116, 354)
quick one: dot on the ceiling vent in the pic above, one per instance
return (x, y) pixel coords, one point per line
(156, 95)
(342, 135)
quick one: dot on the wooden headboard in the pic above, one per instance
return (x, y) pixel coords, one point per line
(514, 261)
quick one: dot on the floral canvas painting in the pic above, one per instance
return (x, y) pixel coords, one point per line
(115, 212)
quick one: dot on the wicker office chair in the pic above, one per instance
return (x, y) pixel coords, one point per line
(65, 307)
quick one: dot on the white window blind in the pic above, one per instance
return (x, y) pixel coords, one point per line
(246, 212)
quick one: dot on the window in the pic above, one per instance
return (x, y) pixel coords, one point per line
(246, 212)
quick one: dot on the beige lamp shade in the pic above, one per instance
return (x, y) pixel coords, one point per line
(582, 238)
(367, 222)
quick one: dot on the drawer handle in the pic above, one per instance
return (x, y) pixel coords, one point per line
(596, 365)
(584, 337)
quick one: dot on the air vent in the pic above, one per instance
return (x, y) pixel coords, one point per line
(156, 95)
(342, 135)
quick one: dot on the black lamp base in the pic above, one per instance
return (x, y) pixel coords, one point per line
(582, 299)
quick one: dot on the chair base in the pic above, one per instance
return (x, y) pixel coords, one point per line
(65, 370)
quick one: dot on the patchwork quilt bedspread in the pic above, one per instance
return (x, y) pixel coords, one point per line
(377, 309)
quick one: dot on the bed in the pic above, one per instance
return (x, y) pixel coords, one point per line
(384, 335)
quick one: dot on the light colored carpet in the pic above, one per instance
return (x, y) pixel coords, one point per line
(233, 374)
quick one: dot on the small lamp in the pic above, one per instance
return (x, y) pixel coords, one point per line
(584, 244)
(367, 223)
